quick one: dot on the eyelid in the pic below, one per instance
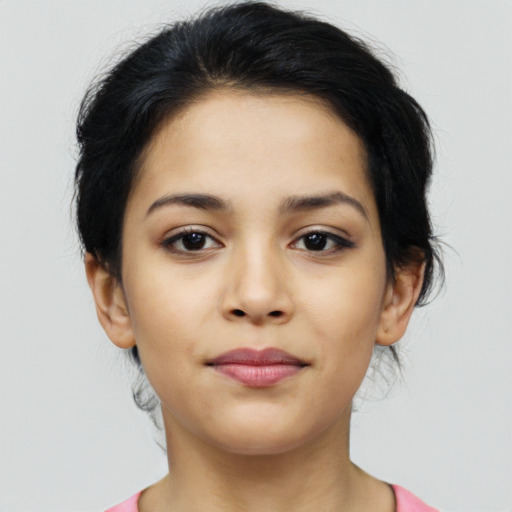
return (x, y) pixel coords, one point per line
(343, 242)
(179, 233)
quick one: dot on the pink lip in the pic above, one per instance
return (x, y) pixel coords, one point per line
(257, 368)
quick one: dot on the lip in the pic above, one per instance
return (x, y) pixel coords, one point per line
(257, 368)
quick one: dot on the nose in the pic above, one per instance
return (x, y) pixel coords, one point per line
(256, 287)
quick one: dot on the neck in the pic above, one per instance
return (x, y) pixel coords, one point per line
(316, 475)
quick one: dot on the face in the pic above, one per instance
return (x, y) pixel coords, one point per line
(254, 276)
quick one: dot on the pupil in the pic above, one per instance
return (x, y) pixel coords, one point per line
(315, 242)
(193, 241)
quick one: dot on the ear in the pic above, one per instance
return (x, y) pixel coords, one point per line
(401, 296)
(110, 303)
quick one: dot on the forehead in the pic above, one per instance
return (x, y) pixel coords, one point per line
(259, 146)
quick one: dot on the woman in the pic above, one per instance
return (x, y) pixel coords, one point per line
(251, 201)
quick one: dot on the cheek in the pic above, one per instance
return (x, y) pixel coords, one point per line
(163, 297)
(167, 317)
(344, 315)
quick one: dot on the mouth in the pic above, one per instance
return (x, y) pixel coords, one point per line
(257, 368)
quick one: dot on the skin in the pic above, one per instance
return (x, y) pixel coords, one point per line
(255, 283)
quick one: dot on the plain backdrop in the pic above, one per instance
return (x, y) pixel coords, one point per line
(71, 438)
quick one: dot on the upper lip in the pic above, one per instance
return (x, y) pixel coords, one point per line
(250, 356)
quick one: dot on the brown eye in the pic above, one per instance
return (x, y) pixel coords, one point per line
(190, 241)
(315, 241)
(320, 241)
(193, 241)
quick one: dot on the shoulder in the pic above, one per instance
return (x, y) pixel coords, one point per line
(130, 505)
(407, 502)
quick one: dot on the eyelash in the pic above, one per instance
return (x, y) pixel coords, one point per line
(340, 242)
(168, 243)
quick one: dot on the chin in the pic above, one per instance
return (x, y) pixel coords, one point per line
(258, 446)
(263, 438)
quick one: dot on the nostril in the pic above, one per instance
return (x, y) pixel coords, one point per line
(240, 313)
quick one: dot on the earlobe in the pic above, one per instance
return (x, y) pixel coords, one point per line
(401, 296)
(110, 303)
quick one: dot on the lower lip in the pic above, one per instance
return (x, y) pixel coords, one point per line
(258, 376)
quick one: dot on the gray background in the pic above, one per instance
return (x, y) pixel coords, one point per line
(71, 439)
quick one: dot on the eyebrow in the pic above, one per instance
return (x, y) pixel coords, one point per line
(313, 202)
(200, 201)
(290, 205)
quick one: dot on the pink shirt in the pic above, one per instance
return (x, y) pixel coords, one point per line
(405, 502)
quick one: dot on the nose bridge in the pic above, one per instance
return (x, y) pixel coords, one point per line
(257, 285)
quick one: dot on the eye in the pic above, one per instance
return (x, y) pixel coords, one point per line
(190, 240)
(321, 241)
